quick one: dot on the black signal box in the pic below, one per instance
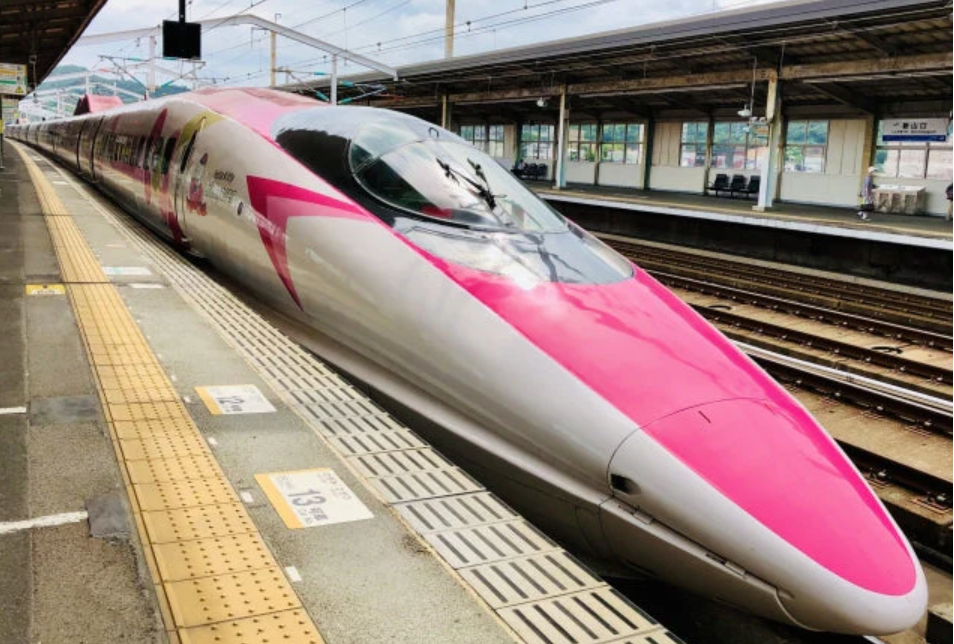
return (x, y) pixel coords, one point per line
(181, 39)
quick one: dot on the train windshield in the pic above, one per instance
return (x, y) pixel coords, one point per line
(433, 174)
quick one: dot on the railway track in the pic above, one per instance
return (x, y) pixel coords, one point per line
(914, 357)
(901, 307)
(874, 367)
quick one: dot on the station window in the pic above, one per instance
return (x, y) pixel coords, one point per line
(739, 146)
(476, 134)
(581, 142)
(623, 143)
(806, 144)
(692, 151)
(913, 160)
(536, 142)
(495, 140)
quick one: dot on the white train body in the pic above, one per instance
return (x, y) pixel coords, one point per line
(592, 399)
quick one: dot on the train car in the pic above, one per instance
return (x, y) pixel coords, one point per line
(592, 399)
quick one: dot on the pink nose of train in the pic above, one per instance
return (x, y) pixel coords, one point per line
(862, 575)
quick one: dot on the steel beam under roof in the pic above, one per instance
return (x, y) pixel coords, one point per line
(798, 41)
(45, 29)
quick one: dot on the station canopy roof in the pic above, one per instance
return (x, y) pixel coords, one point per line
(45, 29)
(841, 56)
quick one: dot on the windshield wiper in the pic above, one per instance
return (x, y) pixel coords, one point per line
(482, 190)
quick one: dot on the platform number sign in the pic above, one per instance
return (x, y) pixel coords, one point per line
(311, 498)
(234, 399)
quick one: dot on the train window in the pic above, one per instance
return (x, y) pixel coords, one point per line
(412, 167)
(155, 154)
(572, 257)
(190, 147)
(378, 138)
(167, 154)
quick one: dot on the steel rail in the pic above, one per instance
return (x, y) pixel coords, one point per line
(905, 308)
(903, 368)
(891, 330)
(936, 408)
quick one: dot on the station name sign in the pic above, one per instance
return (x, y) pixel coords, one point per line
(915, 130)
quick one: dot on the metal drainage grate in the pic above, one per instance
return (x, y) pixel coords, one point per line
(536, 577)
(456, 512)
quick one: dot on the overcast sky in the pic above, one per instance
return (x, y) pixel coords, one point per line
(394, 32)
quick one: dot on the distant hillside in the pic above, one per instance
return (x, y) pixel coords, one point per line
(108, 81)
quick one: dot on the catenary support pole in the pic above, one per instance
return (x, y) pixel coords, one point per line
(449, 30)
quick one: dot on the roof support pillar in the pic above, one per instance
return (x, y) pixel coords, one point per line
(648, 149)
(867, 151)
(447, 111)
(559, 176)
(770, 173)
(710, 127)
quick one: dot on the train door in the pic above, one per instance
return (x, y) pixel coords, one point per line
(79, 144)
(189, 169)
(88, 148)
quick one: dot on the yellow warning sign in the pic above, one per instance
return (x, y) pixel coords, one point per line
(45, 289)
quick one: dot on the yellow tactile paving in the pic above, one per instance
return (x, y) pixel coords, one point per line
(184, 468)
(197, 602)
(169, 495)
(215, 579)
(286, 626)
(157, 446)
(128, 430)
(198, 558)
(146, 411)
(183, 524)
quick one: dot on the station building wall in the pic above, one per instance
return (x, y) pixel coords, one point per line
(665, 172)
(581, 172)
(623, 175)
(837, 185)
(845, 166)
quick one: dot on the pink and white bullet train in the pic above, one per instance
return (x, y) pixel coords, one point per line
(594, 400)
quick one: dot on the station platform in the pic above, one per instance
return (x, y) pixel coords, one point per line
(907, 250)
(174, 469)
(927, 231)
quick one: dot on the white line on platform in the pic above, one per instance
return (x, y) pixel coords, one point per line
(12, 410)
(42, 522)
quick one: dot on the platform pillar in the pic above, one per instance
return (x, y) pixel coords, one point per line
(559, 175)
(648, 149)
(770, 172)
(447, 112)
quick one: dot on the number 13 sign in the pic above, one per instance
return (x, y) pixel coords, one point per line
(309, 498)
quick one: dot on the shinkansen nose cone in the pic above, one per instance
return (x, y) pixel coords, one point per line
(760, 485)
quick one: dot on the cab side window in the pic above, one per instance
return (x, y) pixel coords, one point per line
(167, 154)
